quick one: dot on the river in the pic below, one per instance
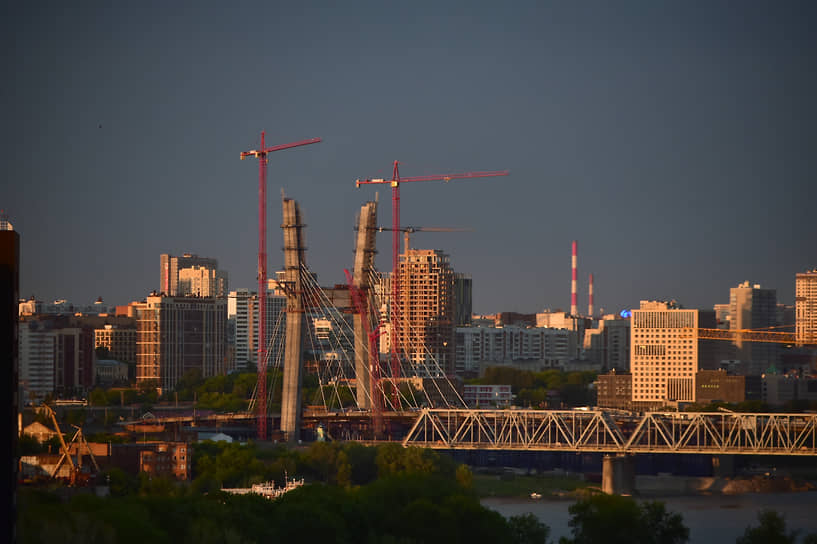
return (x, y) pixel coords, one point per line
(712, 519)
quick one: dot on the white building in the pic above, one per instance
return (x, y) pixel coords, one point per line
(242, 316)
(37, 353)
(486, 396)
(664, 353)
(526, 348)
(608, 345)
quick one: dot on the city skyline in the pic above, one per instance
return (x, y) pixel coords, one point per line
(670, 141)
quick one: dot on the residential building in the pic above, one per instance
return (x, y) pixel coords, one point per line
(242, 320)
(564, 320)
(529, 348)
(56, 358)
(487, 396)
(806, 307)
(426, 309)
(177, 334)
(170, 272)
(608, 345)
(119, 341)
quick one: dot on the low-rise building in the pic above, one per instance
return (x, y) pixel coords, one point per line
(485, 396)
(718, 386)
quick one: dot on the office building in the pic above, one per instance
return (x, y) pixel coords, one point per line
(806, 307)
(175, 335)
(664, 353)
(752, 307)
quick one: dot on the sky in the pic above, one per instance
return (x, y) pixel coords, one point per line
(673, 140)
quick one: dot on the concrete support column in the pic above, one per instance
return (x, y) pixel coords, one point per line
(618, 475)
(723, 466)
(294, 249)
(364, 256)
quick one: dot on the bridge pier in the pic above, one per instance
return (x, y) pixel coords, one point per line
(723, 466)
(618, 474)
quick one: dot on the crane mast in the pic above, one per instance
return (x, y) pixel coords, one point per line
(395, 182)
(261, 154)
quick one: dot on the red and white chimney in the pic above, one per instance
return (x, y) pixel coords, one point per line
(590, 298)
(574, 309)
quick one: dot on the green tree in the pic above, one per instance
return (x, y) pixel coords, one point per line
(464, 477)
(771, 529)
(610, 519)
(527, 529)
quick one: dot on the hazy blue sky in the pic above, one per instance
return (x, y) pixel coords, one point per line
(674, 140)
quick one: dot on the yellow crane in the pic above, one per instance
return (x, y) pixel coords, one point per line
(79, 440)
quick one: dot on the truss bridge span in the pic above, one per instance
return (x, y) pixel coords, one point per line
(600, 431)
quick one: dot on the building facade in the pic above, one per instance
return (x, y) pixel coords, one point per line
(752, 307)
(188, 266)
(532, 348)
(119, 341)
(426, 309)
(178, 334)
(664, 353)
(608, 345)
(806, 307)
(242, 322)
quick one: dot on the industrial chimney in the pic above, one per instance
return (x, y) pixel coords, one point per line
(590, 298)
(574, 310)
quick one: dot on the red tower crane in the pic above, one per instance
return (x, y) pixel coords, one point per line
(261, 153)
(395, 182)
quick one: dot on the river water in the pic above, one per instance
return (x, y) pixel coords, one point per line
(712, 519)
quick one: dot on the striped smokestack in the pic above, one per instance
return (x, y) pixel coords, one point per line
(590, 298)
(574, 309)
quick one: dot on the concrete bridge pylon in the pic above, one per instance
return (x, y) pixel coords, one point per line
(294, 261)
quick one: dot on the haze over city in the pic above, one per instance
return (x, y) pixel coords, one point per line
(673, 141)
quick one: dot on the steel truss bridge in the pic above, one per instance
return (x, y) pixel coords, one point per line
(715, 433)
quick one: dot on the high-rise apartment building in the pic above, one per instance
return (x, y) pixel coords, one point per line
(806, 307)
(752, 307)
(178, 334)
(119, 341)
(55, 359)
(188, 275)
(242, 320)
(608, 345)
(664, 353)
(426, 308)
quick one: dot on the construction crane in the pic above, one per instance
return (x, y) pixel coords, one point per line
(261, 153)
(408, 231)
(395, 182)
(78, 439)
(745, 335)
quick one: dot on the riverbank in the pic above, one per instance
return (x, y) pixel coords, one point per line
(571, 486)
